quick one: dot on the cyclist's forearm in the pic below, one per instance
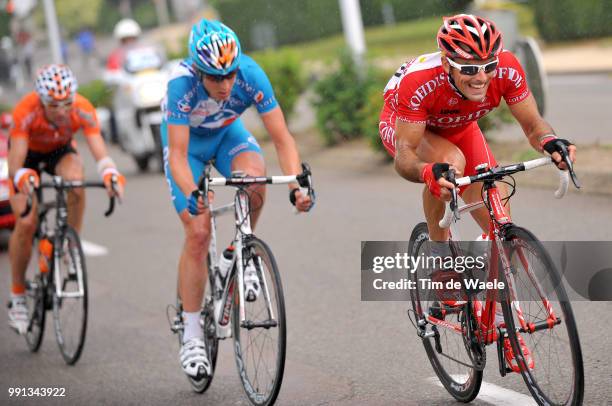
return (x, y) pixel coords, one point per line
(288, 157)
(179, 167)
(535, 134)
(17, 155)
(97, 146)
(408, 165)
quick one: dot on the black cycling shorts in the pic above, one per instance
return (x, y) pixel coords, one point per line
(47, 161)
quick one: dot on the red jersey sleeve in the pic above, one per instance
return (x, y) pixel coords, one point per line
(410, 103)
(515, 88)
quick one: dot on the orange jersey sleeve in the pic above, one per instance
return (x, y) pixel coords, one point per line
(86, 116)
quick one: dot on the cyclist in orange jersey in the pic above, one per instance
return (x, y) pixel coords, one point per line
(41, 138)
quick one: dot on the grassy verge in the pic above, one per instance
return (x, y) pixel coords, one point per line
(403, 39)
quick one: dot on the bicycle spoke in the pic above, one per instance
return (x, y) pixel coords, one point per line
(261, 351)
(557, 373)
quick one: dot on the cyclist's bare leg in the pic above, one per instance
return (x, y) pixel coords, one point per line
(20, 243)
(192, 264)
(70, 167)
(252, 164)
(434, 148)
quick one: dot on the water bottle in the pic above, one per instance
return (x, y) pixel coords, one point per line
(226, 261)
(45, 249)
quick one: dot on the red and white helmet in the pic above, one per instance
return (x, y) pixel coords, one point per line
(56, 83)
(469, 37)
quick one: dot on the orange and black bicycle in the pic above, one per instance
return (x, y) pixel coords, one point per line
(60, 282)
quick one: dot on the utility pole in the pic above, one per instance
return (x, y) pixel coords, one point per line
(53, 31)
(161, 8)
(353, 30)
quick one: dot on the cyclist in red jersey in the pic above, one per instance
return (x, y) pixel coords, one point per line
(433, 102)
(429, 119)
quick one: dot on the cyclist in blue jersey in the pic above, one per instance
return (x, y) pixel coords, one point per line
(206, 95)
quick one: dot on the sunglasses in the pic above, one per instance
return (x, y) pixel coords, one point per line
(472, 70)
(220, 78)
(59, 105)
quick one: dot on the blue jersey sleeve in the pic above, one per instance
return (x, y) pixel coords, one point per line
(179, 99)
(262, 92)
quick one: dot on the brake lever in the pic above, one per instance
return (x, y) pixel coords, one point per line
(306, 187)
(570, 166)
(111, 207)
(453, 203)
(111, 199)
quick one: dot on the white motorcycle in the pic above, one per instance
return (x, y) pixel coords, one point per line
(140, 87)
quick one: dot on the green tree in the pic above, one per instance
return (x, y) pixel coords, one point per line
(73, 14)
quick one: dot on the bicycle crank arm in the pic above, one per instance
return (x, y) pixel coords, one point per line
(541, 325)
(249, 325)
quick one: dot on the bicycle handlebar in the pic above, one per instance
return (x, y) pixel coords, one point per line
(497, 173)
(60, 184)
(303, 179)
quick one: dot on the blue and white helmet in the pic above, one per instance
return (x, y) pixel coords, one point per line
(214, 48)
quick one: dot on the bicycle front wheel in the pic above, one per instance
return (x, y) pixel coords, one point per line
(69, 295)
(453, 355)
(259, 341)
(549, 357)
(35, 301)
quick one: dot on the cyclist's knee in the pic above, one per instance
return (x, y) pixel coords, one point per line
(26, 226)
(197, 233)
(455, 158)
(251, 163)
(75, 174)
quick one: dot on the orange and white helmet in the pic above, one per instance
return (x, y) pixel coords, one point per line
(56, 83)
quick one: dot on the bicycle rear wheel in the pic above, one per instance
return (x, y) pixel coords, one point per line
(450, 352)
(557, 376)
(259, 343)
(70, 308)
(35, 301)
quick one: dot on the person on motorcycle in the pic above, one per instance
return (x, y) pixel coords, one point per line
(126, 32)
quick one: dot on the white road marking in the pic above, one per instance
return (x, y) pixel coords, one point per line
(496, 395)
(93, 250)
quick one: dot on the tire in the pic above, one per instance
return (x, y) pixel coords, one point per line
(562, 383)
(142, 162)
(70, 313)
(36, 298)
(529, 54)
(461, 381)
(261, 389)
(210, 337)
(159, 149)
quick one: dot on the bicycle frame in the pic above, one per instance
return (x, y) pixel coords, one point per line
(61, 224)
(499, 221)
(241, 209)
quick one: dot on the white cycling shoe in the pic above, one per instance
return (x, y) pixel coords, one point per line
(194, 358)
(18, 314)
(252, 286)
